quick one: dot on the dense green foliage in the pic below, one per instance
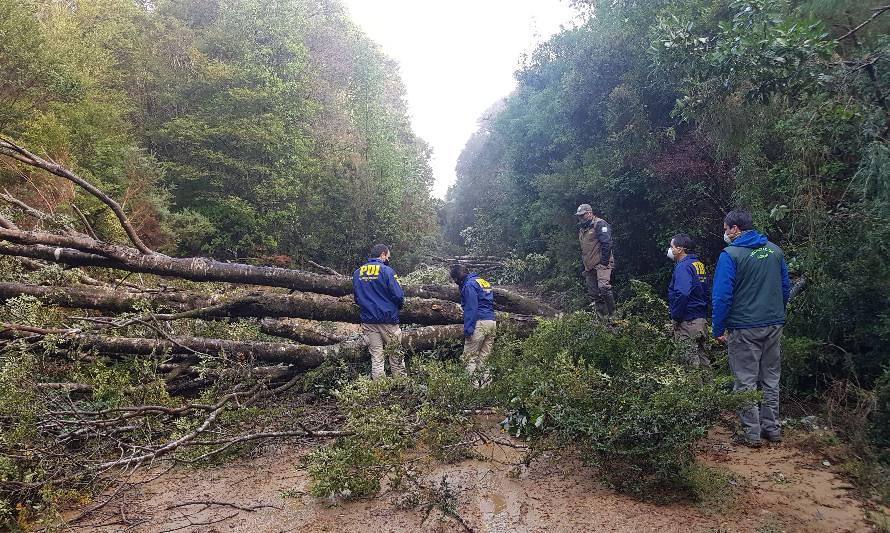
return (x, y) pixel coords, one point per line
(236, 128)
(664, 115)
(618, 393)
(388, 419)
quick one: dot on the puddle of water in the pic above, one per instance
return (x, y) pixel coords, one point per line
(500, 503)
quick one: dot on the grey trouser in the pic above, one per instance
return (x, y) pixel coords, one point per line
(693, 335)
(388, 336)
(477, 347)
(756, 362)
(599, 286)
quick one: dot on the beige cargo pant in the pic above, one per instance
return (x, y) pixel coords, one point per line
(477, 348)
(385, 339)
(693, 335)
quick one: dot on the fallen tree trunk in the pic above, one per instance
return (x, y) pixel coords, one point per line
(301, 357)
(203, 269)
(309, 332)
(298, 305)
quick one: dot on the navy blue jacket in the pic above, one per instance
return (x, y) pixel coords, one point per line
(477, 300)
(751, 285)
(688, 292)
(377, 293)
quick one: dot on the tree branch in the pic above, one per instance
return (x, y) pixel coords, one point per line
(876, 12)
(10, 149)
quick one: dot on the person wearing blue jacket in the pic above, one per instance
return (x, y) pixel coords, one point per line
(688, 300)
(477, 301)
(750, 292)
(379, 296)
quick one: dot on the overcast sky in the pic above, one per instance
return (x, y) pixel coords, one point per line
(456, 57)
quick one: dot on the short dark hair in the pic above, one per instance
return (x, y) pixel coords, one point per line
(459, 272)
(740, 218)
(682, 240)
(379, 249)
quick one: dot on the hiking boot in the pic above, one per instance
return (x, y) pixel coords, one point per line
(743, 440)
(772, 437)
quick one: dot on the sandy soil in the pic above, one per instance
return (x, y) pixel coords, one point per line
(777, 488)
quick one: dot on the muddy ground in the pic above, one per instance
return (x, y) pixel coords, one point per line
(777, 488)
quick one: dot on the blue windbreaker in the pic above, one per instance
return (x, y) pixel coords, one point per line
(477, 300)
(688, 291)
(751, 285)
(377, 293)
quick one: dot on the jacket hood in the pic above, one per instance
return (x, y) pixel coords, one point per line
(750, 239)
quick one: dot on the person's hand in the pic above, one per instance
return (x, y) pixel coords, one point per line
(722, 339)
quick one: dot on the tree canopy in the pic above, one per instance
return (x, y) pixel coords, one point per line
(666, 115)
(231, 128)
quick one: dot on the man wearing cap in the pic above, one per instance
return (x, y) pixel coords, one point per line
(595, 235)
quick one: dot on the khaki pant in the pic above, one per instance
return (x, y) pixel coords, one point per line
(385, 338)
(599, 286)
(693, 334)
(477, 347)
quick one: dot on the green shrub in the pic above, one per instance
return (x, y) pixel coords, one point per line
(386, 419)
(615, 392)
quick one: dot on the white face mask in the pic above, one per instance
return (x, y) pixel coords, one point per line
(727, 239)
(670, 254)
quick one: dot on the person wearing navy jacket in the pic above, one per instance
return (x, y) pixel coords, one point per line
(751, 290)
(477, 301)
(379, 296)
(688, 300)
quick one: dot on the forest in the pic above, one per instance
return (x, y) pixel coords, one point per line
(187, 186)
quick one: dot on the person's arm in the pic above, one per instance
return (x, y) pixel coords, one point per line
(721, 294)
(395, 289)
(604, 235)
(470, 303)
(786, 283)
(682, 288)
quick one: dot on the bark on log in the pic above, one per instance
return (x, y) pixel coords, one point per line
(297, 305)
(203, 269)
(302, 357)
(309, 332)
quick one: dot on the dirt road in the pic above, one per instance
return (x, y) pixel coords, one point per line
(777, 488)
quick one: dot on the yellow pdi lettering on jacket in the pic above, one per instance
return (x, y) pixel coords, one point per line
(700, 271)
(484, 285)
(369, 272)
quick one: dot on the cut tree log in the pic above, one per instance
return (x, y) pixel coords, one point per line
(308, 331)
(301, 357)
(49, 247)
(257, 304)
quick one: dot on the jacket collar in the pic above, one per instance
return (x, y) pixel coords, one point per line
(749, 239)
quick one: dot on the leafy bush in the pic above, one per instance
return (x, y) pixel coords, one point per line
(426, 274)
(386, 419)
(530, 268)
(615, 392)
